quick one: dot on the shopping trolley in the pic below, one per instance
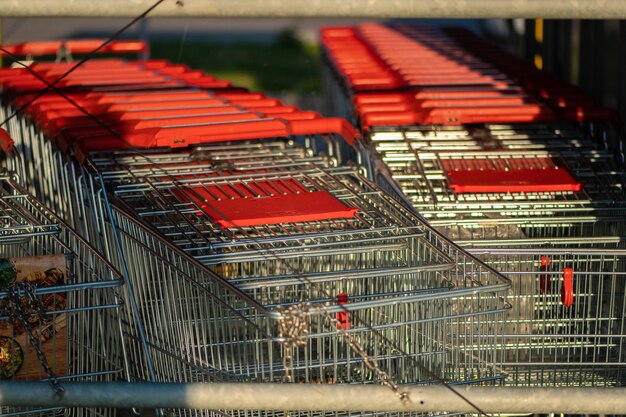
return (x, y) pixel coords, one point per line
(348, 257)
(562, 250)
(251, 266)
(477, 186)
(323, 251)
(61, 301)
(324, 246)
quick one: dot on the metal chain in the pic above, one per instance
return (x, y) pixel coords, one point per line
(294, 330)
(18, 313)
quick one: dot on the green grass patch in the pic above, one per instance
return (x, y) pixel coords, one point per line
(285, 66)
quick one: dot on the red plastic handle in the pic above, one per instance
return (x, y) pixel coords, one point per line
(155, 64)
(181, 111)
(259, 130)
(241, 95)
(458, 115)
(93, 129)
(323, 125)
(156, 96)
(97, 82)
(182, 136)
(173, 69)
(567, 289)
(103, 73)
(148, 105)
(444, 103)
(64, 66)
(81, 46)
(82, 127)
(190, 135)
(328, 32)
(293, 116)
(436, 94)
(209, 84)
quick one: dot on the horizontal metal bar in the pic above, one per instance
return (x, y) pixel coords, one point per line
(554, 9)
(317, 397)
(493, 289)
(113, 283)
(475, 247)
(353, 274)
(604, 252)
(391, 325)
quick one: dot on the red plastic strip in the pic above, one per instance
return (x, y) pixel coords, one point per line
(417, 105)
(161, 95)
(324, 125)
(458, 116)
(552, 179)
(436, 94)
(288, 208)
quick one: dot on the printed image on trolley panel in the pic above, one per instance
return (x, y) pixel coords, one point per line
(34, 316)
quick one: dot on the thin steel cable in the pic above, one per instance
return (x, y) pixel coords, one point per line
(182, 44)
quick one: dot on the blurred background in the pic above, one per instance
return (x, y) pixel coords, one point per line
(281, 55)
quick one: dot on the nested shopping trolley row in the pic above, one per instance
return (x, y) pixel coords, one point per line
(555, 228)
(252, 257)
(485, 148)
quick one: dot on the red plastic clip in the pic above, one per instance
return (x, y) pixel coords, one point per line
(567, 290)
(343, 317)
(6, 142)
(544, 279)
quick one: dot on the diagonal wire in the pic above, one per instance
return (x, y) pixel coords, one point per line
(51, 86)
(182, 44)
(90, 55)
